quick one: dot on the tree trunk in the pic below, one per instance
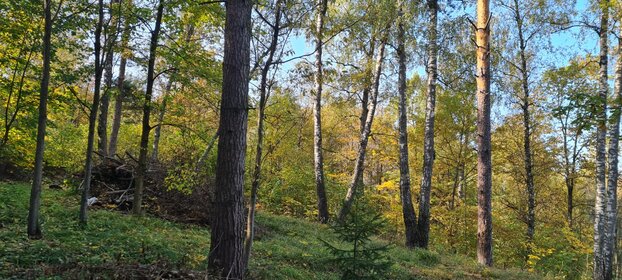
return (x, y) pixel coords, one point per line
(227, 225)
(601, 131)
(484, 163)
(158, 129)
(118, 105)
(102, 124)
(146, 128)
(322, 202)
(525, 105)
(423, 225)
(612, 156)
(357, 176)
(263, 99)
(34, 228)
(408, 211)
(92, 117)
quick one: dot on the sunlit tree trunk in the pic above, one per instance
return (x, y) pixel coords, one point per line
(227, 224)
(86, 188)
(484, 163)
(600, 235)
(423, 225)
(261, 115)
(357, 176)
(34, 228)
(146, 127)
(612, 157)
(408, 211)
(322, 201)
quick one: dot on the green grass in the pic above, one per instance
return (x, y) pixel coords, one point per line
(285, 248)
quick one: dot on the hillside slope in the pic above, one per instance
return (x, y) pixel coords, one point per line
(118, 246)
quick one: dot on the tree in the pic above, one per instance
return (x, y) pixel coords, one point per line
(423, 225)
(118, 104)
(88, 166)
(146, 127)
(322, 203)
(408, 211)
(600, 218)
(227, 224)
(34, 228)
(484, 163)
(357, 175)
(264, 94)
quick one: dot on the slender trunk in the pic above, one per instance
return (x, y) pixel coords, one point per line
(484, 163)
(9, 119)
(408, 211)
(92, 118)
(423, 225)
(208, 149)
(118, 105)
(357, 176)
(227, 224)
(612, 156)
(102, 124)
(146, 128)
(158, 128)
(529, 181)
(34, 228)
(261, 115)
(601, 184)
(322, 201)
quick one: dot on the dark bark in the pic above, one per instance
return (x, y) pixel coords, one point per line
(88, 166)
(423, 225)
(322, 201)
(34, 227)
(484, 163)
(408, 211)
(261, 115)
(357, 176)
(146, 127)
(600, 219)
(227, 225)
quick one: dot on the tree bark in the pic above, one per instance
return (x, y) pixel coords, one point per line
(612, 157)
(408, 211)
(525, 107)
(118, 105)
(600, 219)
(34, 228)
(423, 225)
(227, 225)
(357, 176)
(261, 115)
(322, 202)
(92, 117)
(158, 129)
(484, 163)
(146, 128)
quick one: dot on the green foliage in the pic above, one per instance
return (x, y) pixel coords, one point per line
(361, 259)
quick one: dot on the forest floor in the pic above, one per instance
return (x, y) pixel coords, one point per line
(118, 246)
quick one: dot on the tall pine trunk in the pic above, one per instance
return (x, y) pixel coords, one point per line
(322, 201)
(408, 211)
(34, 228)
(261, 116)
(227, 224)
(601, 131)
(146, 127)
(357, 177)
(118, 103)
(92, 118)
(484, 162)
(423, 225)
